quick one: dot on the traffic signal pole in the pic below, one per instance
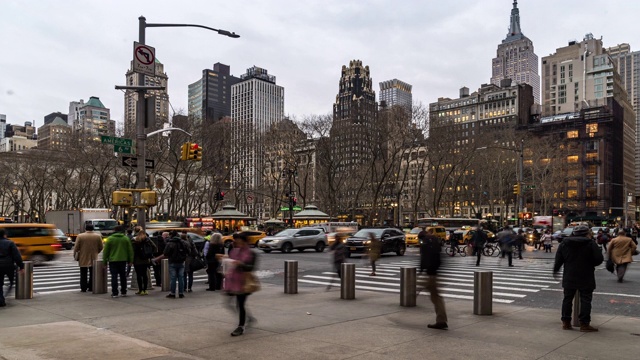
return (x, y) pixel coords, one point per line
(141, 137)
(520, 179)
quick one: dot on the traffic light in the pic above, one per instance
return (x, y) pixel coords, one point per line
(294, 201)
(197, 152)
(184, 151)
(219, 196)
(516, 189)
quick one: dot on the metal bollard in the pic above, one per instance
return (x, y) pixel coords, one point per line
(408, 286)
(99, 277)
(348, 281)
(483, 292)
(575, 316)
(24, 285)
(164, 272)
(290, 277)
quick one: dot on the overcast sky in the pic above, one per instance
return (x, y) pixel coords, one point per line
(57, 51)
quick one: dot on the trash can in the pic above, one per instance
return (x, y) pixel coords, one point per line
(483, 292)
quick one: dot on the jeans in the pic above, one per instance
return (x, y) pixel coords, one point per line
(585, 305)
(188, 279)
(86, 284)
(241, 299)
(142, 278)
(176, 273)
(118, 269)
(9, 272)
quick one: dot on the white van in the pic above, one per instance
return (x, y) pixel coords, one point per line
(337, 226)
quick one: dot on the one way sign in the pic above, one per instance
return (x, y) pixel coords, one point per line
(133, 162)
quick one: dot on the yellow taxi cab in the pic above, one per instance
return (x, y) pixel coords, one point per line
(252, 235)
(466, 239)
(36, 242)
(412, 236)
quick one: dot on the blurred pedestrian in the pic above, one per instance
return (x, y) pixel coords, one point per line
(519, 242)
(479, 240)
(240, 281)
(374, 252)
(211, 249)
(507, 242)
(160, 241)
(192, 252)
(430, 261)
(579, 255)
(176, 251)
(339, 252)
(9, 258)
(117, 254)
(546, 240)
(85, 251)
(621, 251)
(143, 250)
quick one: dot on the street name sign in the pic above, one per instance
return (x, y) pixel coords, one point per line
(144, 58)
(112, 140)
(122, 149)
(133, 162)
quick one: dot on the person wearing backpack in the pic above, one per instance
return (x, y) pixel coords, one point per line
(143, 250)
(176, 251)
(9, 258)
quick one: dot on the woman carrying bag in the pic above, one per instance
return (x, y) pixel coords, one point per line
(239, 278)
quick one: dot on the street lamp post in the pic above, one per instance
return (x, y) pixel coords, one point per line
(140, 121)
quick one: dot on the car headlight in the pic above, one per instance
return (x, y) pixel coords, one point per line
(367, 242)
(275, 241)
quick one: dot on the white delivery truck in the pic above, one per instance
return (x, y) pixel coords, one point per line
(73, 222)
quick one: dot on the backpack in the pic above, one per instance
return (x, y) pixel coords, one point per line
(180, 252)
(147, 249)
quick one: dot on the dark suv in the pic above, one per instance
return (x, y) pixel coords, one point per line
(392, 240)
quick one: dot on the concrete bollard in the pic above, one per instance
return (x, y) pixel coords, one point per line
(99, 277)
(24, 283)
(575, 316)
(291, 277)
(164, 272)
(408, 292)
(348, 281)
(483, 292)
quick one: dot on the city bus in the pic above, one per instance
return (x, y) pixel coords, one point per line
(451, 224)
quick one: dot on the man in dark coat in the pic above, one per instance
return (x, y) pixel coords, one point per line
(479, 240)
(580, 255)
(430, 261)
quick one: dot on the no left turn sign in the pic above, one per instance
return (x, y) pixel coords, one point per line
(144, 57)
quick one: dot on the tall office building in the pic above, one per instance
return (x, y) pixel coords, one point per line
(161, 96)
(90, 120)
(516, 59)
(55, 134)
(628, 66)
(3, 125)
(354, 116)
(210, 96)
(396, 93)
(256, 103)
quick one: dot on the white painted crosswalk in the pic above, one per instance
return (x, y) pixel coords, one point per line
(455, 277)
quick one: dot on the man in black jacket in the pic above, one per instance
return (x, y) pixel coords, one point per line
(430, 261)
(580, 255)
(9, 258)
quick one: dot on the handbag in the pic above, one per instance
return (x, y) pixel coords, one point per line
(610, 265)
(251, 283)
(196, 264)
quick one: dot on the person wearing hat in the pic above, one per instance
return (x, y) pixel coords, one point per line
(579, 255)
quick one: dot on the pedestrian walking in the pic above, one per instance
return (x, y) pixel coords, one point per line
(430, 261)
(546, 240)
(85, 251)
(176, 252)
(479, 240)
(143, 250)
(211, 249)
(603, 239)
(192, 252)
(519, 242)
(339, 252)
(506, 240)
(453, 243)
(621, 251)
(579, 255)
(240, 281)
(160, 242)
(374, 252)
(9, 258)
(117, 254)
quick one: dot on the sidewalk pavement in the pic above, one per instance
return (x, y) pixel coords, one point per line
(314, 324)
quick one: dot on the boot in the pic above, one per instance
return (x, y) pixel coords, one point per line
(566, 325)
(587, 328)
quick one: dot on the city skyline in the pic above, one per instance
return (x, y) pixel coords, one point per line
(396, 43)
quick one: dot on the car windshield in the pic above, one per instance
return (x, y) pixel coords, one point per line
(105, 224)
(365, 232)
(287, 232)
(415, 230)
(57, 232)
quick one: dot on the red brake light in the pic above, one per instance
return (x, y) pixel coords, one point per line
(56, 246)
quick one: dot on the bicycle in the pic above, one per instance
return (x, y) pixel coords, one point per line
(491, 249)
(462, 250)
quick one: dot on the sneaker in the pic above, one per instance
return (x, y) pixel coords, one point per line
(171, 296)
(140, 293)
(189, 290)
(238, 331)
(439, 326)
(373, 274)
(114, 296)
(123, 295)
(181, 296)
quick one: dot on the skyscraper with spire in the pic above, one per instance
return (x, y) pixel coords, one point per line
(515, 58)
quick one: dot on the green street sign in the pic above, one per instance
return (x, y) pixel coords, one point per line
(122, 149)
(116, 141)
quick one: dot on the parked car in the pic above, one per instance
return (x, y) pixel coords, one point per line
(64, 240)
(299, 239)
(391, 239)
(565, 233)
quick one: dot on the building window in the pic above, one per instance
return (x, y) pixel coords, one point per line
(573, 134)
(572, 159)
(572, 194)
